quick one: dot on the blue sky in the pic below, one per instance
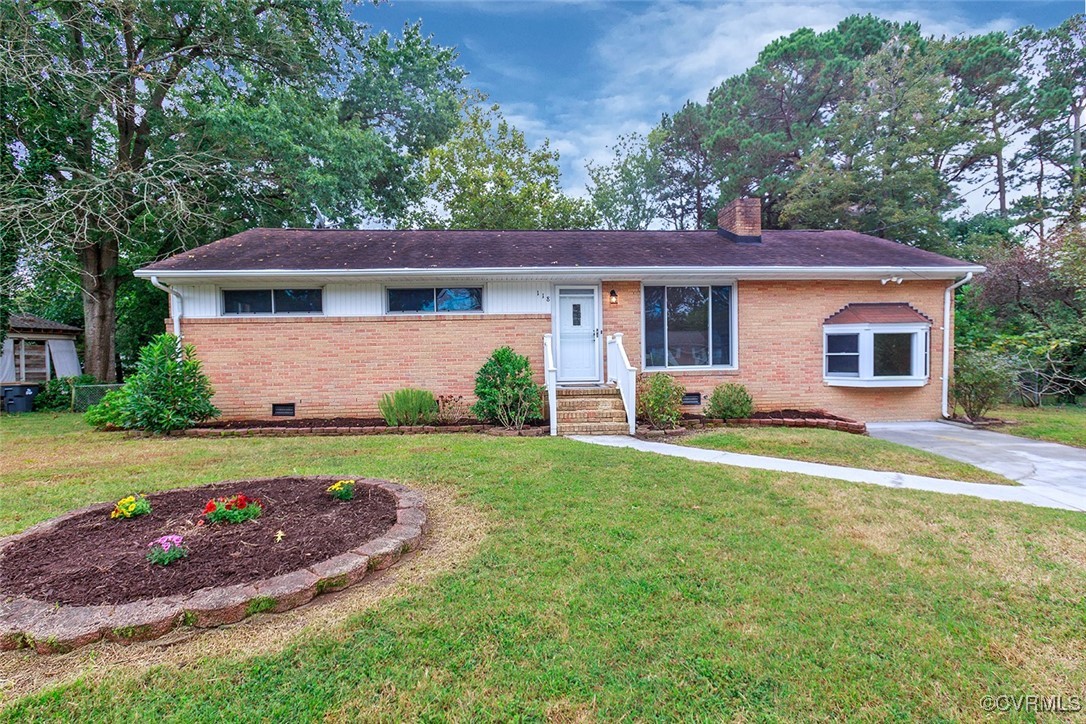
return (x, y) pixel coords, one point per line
(581, 73)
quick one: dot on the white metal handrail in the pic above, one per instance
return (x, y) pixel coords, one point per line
(550, 376)
(624, 375)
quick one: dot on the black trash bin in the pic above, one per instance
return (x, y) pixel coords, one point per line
(19, 398)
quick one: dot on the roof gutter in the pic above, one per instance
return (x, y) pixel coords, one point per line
(608, 272)
(947, 303)
(176, 310)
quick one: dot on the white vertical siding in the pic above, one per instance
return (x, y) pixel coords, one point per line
(353, 300)
(530, 297)
(201, 300)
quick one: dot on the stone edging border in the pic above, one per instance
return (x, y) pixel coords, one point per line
(368, 430)
(851, 426)
(53, 629)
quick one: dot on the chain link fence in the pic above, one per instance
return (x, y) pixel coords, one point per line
(84, 396)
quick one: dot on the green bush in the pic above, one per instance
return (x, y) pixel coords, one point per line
(110, 412)
(659, 400)
(506, 392)
(168, 391)
(56, 394)
(982, 380)
(407, 407)
(729, 401)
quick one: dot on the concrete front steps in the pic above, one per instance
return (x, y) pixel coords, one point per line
(591, 411)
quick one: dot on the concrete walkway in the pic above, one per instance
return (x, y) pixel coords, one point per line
(1044, 496)
(1047, 468)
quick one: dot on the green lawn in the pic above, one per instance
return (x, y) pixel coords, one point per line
(840, 448)
(1064, 423)
(604, 584)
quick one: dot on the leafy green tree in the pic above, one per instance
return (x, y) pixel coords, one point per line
(1055, 114)
(685, 180)
(132, 129)
(624, 191)
(487, 177)
(765, 122)
(887, 163)
(987, 73)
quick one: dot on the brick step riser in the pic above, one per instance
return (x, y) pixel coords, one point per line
(589, 392)
(587, 405)
(594, 428)
(591, 416)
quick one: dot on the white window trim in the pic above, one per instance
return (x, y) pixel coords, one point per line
(465, 285)
(733, 337)
(222, 302)
(866, 376)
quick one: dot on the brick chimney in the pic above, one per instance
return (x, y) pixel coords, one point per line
(741, 221)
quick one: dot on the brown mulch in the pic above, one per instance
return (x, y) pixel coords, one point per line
(305, 422)
(92, 559)
(782, 415)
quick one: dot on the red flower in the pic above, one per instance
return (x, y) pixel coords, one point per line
(210, 507)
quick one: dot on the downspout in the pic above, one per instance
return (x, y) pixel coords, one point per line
(176, 310)
(947, 301)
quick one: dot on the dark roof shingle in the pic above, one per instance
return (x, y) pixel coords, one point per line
(334, 249)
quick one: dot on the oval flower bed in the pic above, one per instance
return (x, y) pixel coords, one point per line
(88, 574)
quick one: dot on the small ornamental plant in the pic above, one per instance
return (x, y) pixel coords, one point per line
(232, 509)
(131, 507)
(166, 550)
(342, 490)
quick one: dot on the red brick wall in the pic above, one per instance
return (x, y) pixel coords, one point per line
(780, 346)
(341, 366)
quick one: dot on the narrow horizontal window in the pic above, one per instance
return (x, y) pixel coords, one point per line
(688, 326)
(297, 301)
(272, 301)
(247, 301)
(435, 299)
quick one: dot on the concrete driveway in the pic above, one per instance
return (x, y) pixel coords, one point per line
(1048, 469)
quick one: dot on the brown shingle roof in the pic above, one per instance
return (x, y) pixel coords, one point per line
(334, 249)
(34, 323)
(877, 313)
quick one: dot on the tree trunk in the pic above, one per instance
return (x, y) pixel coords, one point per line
(1001, 176)
(1076, 169)
(99, 281)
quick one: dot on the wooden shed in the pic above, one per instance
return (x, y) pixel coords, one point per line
(37, 349)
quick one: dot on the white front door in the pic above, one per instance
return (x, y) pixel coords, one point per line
(578, 335)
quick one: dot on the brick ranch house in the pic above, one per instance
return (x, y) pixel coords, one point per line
(320, 323)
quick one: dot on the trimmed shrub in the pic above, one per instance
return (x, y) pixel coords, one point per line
(56, 394)
(659, 400)
(168, 392)
(729, 401)
(982, 379)
(407, 407)
(110, 412)
(506, 392)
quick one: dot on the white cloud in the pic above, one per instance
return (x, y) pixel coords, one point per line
(654, 57)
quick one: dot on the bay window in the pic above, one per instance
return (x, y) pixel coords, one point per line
(883, 355)
(689, 326)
